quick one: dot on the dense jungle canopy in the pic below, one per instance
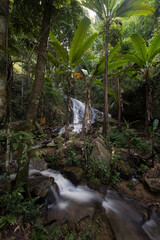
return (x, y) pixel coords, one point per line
(98, 60)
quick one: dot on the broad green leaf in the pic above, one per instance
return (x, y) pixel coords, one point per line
(79, 38)
(133, 7)
(112, 4)
(53, 38)
(154, 47)
(98, 83)
(114, 65)
(53, 60)
(83, 48)
(60, 51)
(140, 47)
(113, 51)
(130, 58)
(100, 67)
(155, 124)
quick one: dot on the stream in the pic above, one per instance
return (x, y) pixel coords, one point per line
(70, 203)
(128, 220)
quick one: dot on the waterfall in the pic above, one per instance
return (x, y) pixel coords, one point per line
(78, 109)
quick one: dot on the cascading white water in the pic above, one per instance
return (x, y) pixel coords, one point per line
(79, 194)
(78, 109)
(125, 218)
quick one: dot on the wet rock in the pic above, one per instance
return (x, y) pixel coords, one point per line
(39, 184)
(38, 164)
(74, 174)
(100, 152)
(52, 195)
(71, 214)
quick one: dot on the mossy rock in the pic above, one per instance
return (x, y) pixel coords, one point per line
(125, 169)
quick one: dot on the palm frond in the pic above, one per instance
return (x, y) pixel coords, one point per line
(83, 48)
(60, 51)
(79, 38)
(130, 58)
(114, 65)
(154, 47)
(133, 7)
(140, 47)
(114, 51)
(100, 67)
(53, 60)
(94, 5)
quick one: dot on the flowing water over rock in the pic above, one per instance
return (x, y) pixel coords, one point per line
(73, 203)
(78, 109)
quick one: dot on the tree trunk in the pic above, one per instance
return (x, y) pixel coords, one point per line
(35, 95)
(87, 118)
(119, 101)
(148, 115)
(23, 170)
(8, 157)
(106, 120)
(4, 8)
(68, 107)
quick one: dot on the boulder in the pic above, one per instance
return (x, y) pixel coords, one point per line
(72, 214)
(38, 164)
(153, 184)
(100, 152)
(39, 184)
(152, 178)
(74, 174)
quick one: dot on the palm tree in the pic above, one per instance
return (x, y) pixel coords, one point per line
(98, 70)
(144, 58)
(108, 11)
(71, 59)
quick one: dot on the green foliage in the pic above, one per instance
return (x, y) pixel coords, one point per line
(142, 168)
(73, 160)
(39, 232)
(119, 139)
(98, 170)
(78, 47)
(53, 161)
(15, 205)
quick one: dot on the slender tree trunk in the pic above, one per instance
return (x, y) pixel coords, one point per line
(68, 106)
(22, 88)
(106, 120)
(86, 118)
(8, 156)
(23, 169)
(35, 95)
(4, 8)
(119, 101)
(148, 115)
